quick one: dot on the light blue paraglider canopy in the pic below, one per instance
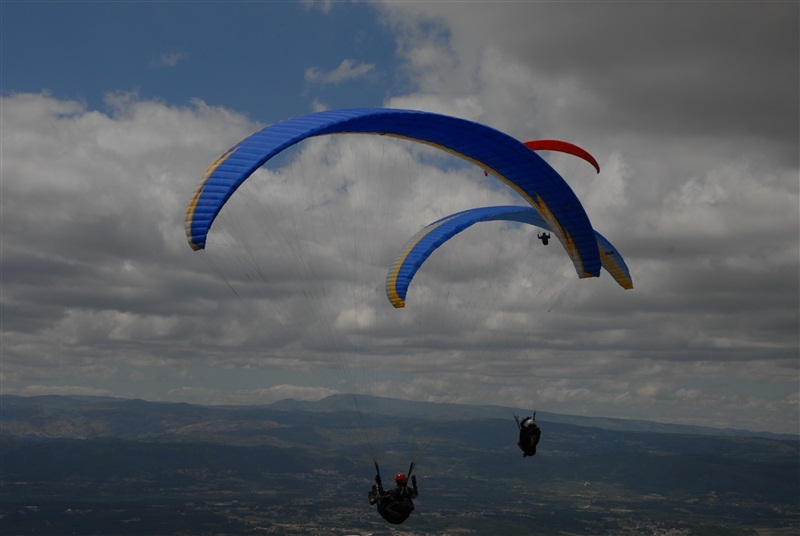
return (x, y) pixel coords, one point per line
(417, 250)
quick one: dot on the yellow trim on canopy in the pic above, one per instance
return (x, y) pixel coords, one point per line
(199, 191)
(391, 281)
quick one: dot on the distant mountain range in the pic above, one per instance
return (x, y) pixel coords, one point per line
(406, 408)
(82, 416)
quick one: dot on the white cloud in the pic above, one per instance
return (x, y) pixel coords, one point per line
(100, 290)
(169, 59)
(268, 395)
(319, 106)
(346, 71)
(64, 390)
(698, 187)
(323, 5)
(691, 109)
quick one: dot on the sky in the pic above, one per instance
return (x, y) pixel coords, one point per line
(112, 111)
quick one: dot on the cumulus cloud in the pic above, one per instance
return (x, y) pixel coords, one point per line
(91, 227)
(697, 135)
(669, 68)
(698, 190)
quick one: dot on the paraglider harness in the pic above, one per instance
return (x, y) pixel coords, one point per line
(394, 505)
(545, 238)
(529, 435)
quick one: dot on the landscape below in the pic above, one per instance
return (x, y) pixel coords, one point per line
(92, 466)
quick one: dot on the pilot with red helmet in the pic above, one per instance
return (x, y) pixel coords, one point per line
(394, 505)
